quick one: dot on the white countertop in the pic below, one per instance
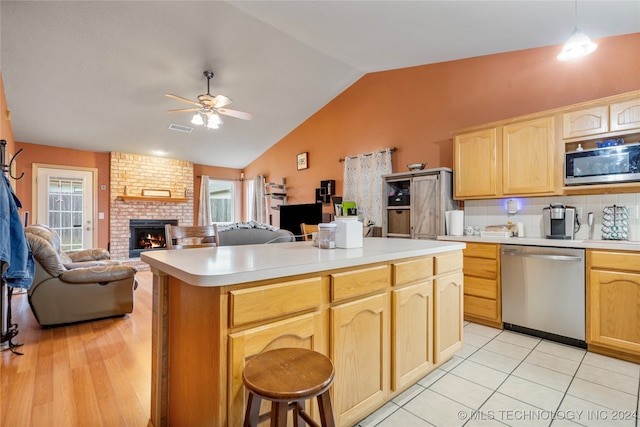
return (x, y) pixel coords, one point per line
(227, 265)
(622, 245)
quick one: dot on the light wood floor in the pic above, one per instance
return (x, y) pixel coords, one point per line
(90, 374)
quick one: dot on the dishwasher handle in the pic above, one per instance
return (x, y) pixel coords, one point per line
(543, 256)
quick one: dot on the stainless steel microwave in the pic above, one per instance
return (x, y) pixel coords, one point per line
(607, 165)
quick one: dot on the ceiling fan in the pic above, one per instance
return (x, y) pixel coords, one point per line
(208, 107)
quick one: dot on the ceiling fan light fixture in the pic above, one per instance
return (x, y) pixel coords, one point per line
(197, 120)
(578, 46)
(213, 121)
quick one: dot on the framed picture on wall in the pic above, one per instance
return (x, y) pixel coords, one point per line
(302, 160)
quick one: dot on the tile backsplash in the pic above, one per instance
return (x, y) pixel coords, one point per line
(482, 213)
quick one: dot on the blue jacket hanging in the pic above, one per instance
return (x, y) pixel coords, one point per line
(15, 252)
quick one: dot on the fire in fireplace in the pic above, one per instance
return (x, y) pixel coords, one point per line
(147, 235)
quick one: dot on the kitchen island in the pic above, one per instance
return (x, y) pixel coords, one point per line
(385, 314)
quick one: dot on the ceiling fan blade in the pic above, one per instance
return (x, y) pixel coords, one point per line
(220, 101)
(179, 98)
(234, 113)
(184, 110)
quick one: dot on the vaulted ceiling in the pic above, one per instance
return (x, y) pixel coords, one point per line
(92, 75)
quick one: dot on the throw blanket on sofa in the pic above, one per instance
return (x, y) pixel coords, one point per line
(250, 224)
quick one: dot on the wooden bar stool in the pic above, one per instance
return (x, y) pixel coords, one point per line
(288, 377)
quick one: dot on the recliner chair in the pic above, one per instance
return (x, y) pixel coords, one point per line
(75, 286)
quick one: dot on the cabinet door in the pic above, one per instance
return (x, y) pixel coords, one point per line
(412, 334)
(590, 121)
(475, 160)
(625, 115)
(360, 355)
(527, 157)
(613, 299)
(448, 303)
(426, 207)
(303, 331)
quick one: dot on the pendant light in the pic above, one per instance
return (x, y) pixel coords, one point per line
(579, 44)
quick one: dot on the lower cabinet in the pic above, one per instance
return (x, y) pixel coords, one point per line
(613, 303)
(448, 316)
(412, 333)
(384, 326)
(482, 299)
(304, 331)
(360, 356)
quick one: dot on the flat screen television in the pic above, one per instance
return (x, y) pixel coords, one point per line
(291, 216)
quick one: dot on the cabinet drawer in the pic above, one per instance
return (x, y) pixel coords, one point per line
(272, 301)
(484, 288)
(626, 261)
(448, 262)
(481, 250)
(480, 267)
(481, 307)
(412, 271)
(399, 221)
(359, 282)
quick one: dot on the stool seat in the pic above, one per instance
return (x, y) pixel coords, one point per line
(289, 375)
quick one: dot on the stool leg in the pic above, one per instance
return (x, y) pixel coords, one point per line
(252, 414)
(326, 410)
(279, 412)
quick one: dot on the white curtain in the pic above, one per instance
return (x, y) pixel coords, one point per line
(259, 205)
(204, 207)
(363, 182)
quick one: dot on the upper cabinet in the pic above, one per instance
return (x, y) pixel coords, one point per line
(528, 152)
(515, 159)
(625, 115)
(599, 120)
(475, 164)
(590, 121)
(524, 156)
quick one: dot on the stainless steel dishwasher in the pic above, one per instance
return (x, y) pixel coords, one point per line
(543, 292)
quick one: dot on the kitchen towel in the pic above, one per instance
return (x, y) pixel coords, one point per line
(454, 220)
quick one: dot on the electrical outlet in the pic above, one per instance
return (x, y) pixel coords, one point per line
(632, 211)
(579, 212)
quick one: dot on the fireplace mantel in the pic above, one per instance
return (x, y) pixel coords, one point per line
(153, 199)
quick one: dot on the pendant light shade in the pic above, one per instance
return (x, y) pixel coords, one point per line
(579, 44)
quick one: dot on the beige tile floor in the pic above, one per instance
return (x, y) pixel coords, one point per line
(505, 378)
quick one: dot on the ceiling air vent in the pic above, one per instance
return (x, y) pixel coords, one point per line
(180, 128)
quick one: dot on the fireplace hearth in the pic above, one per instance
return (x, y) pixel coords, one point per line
(147, 235)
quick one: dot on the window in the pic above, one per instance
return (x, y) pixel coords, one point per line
(222, 199)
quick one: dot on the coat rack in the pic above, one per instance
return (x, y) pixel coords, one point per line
(8, 329)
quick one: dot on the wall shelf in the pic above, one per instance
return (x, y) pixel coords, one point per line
(153, 199)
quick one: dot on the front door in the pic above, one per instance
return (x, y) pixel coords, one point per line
(65, 200)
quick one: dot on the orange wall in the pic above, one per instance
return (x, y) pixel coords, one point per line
(415, 109)
(34, 153)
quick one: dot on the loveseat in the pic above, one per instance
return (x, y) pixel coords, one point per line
(75, 286)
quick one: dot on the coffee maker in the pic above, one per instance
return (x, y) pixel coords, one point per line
(559, 221)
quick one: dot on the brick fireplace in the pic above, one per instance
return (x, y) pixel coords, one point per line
(133, 173)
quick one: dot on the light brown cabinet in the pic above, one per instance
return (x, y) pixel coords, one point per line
(625, 115)
(613, 117)
(512, 159)
(475, 159)
(415, 203)
(482, 292)
(613, 298)
(412, 322)
(590, 121)
(528, 153)
(360, 330)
